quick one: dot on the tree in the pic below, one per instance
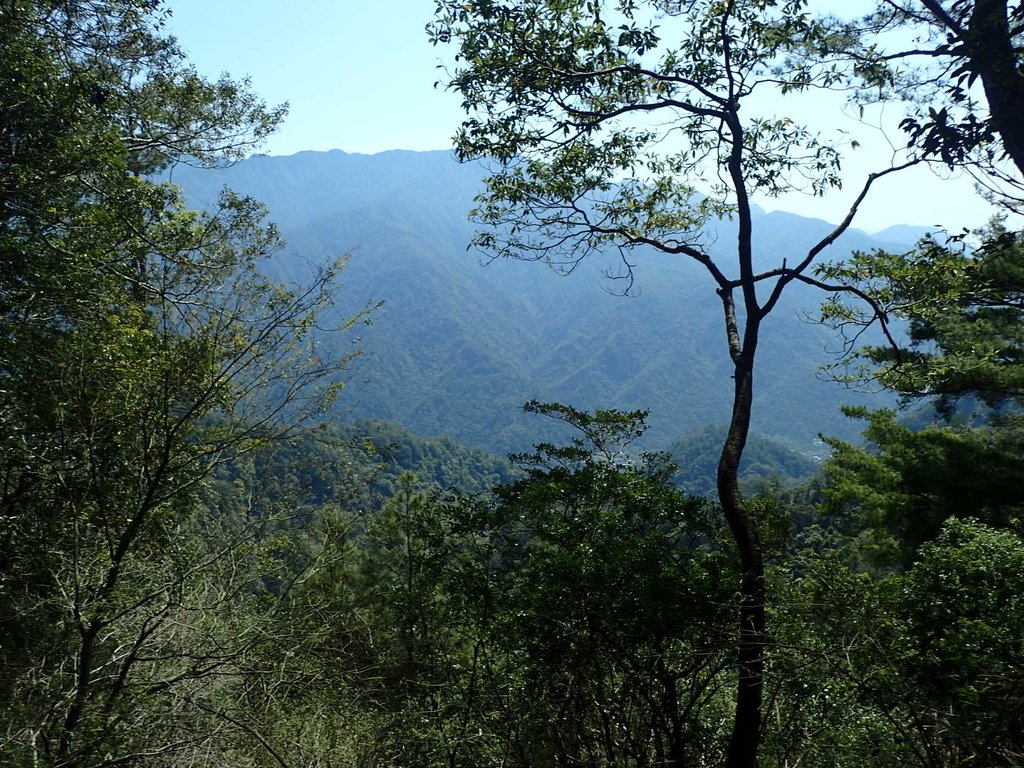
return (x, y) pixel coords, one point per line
(910, 481)
(922, 667)
(140, 348)
(962, 310)
(600, 606)
(961, 304)
(618, 125)
(836, 697)
(964, 658)
(961, 353)
(411, 602)
(957, 43)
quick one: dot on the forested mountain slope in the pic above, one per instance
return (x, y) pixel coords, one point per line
(696, 456)
(459, 346)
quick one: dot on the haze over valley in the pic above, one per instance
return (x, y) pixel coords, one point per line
(459, 345)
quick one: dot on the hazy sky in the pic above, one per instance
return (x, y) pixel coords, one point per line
(359, 76)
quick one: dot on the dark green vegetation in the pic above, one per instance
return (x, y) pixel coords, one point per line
(198, 566)
(763, 459)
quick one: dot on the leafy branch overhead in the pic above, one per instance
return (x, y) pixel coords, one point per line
(617, 125)
(956, 67)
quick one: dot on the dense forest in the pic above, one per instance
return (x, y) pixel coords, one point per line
(203, 562)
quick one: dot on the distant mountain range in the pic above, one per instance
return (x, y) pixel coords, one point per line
(458, 346)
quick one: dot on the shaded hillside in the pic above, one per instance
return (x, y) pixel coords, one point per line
(355, 466)
(459, 346)
(696, 456)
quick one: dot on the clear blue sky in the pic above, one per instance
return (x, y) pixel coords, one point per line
(359, 76)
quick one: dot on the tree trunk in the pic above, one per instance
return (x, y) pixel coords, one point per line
(746, 735)
(990, 52)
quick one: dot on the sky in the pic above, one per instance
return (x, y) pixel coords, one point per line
(359, 75)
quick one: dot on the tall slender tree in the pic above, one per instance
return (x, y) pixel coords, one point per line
(634, 126)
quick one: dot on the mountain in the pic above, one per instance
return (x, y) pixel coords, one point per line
(459, 345)
(905, 233)
(696, 456)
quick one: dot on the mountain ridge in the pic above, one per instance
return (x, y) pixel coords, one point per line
(459, 346)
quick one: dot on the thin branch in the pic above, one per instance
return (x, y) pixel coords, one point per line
(656, 76)
(685, 106)
(878, 310)
(943, 16)
(249, 730)
(832, 236)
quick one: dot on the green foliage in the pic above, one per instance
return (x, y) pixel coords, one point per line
(963, 317)
(908, 482)
(921, 668)
(412, 581)
(962, 311)
(179, 585)
(764, 460)
(554, 91)
(835, 699)
(606, 599)
(358, 466)
(577, 613)
(440, 463)
(964, 656)
(141, 347)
